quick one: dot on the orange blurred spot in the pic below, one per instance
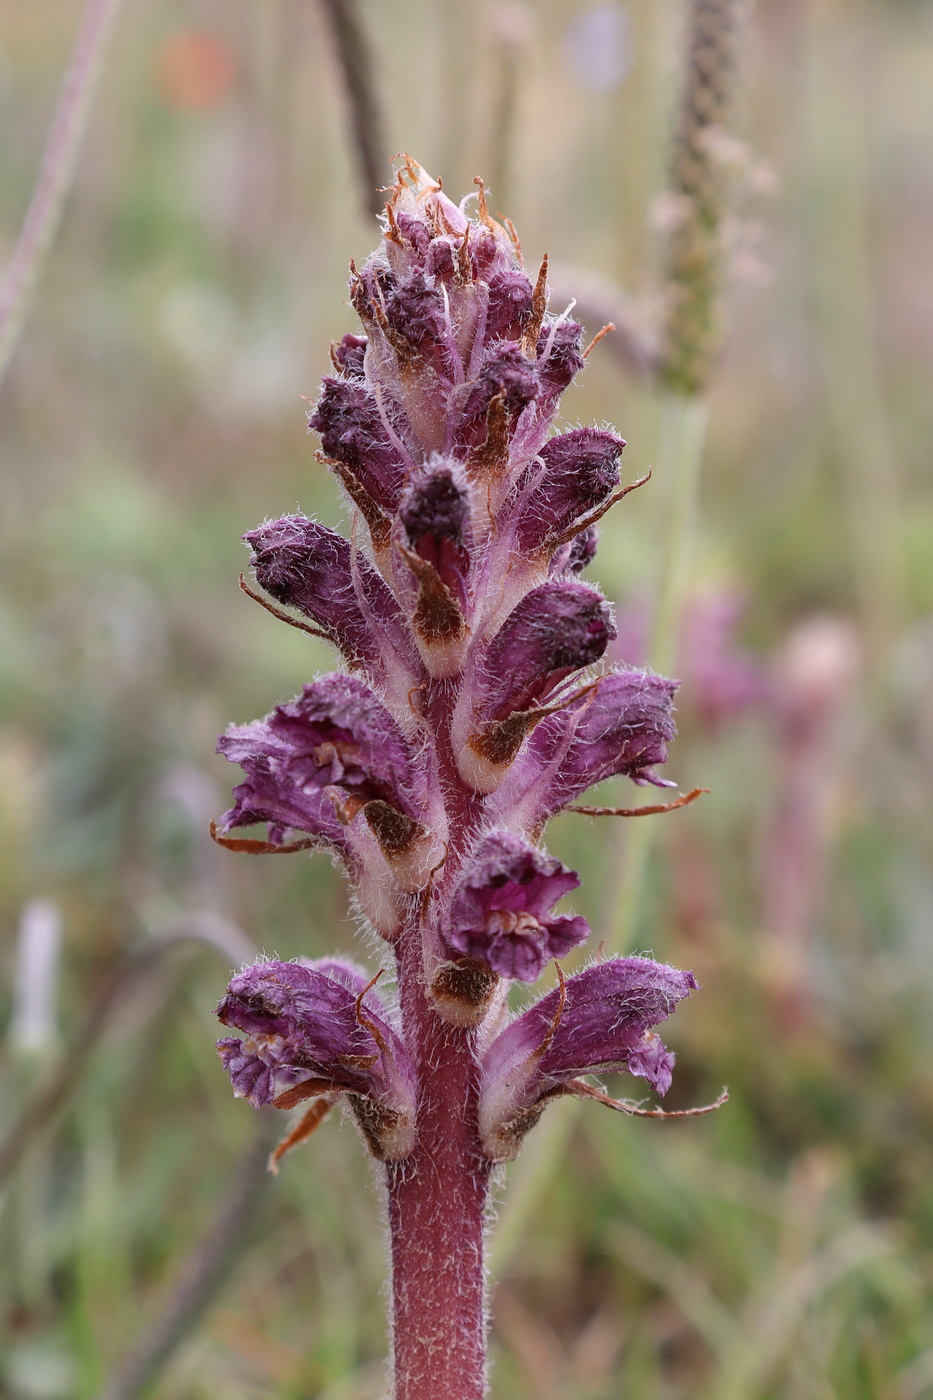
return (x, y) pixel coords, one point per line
(194, 70)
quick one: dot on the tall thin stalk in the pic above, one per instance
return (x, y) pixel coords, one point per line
(56, 172)
(354, 54)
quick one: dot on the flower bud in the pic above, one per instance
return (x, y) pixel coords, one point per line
(309, 567)
(353, 431)
(334, 745)
(580, 470)
(555, 630)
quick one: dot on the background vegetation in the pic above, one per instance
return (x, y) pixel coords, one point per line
(784, 1246)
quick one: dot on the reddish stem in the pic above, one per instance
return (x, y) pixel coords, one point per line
(437, 1206)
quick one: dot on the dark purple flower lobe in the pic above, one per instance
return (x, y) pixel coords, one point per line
(349, 354)
(510, 303)
(601, 1019)
(309, 567)
(577, 555)
(581, 469)
(352, 431)
(506, 382)
(415, 311)
(435, 514)
(500, 914)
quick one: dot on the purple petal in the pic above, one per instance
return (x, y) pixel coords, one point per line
(620, 725)
(576, 556)
(500, 913)
(251, 1077)
(353, 431)
(336, 734)
(305, 1024)
(416, 311)
(309, 567)
(581, 468)
(600, 1020)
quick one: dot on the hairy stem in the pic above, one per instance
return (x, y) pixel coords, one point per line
(437, 1208)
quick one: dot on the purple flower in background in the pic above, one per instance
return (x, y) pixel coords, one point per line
(723, 680)
(480, 705)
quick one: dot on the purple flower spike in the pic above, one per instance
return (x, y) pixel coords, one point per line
(599, 1020)
(310, 1031)
(500, 912)
(456, 600)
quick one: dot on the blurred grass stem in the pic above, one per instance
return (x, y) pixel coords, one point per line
(838, 148)
(682, 439)
(64, 1078)
(356, 61)
(56, 172)
(233, 1229)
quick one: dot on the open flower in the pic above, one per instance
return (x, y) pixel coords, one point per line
(500, 913)
(319, 1029)
(601, 1019)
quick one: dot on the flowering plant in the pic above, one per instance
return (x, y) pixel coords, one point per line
(472, 710)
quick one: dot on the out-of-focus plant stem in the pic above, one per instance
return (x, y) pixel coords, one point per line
(838, 146)
(56, 173)
(233, 1229)
(683, 436)
(62, 1080)
(689, 345)
(356, 62)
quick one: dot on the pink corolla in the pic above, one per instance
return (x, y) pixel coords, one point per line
(478, 705)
